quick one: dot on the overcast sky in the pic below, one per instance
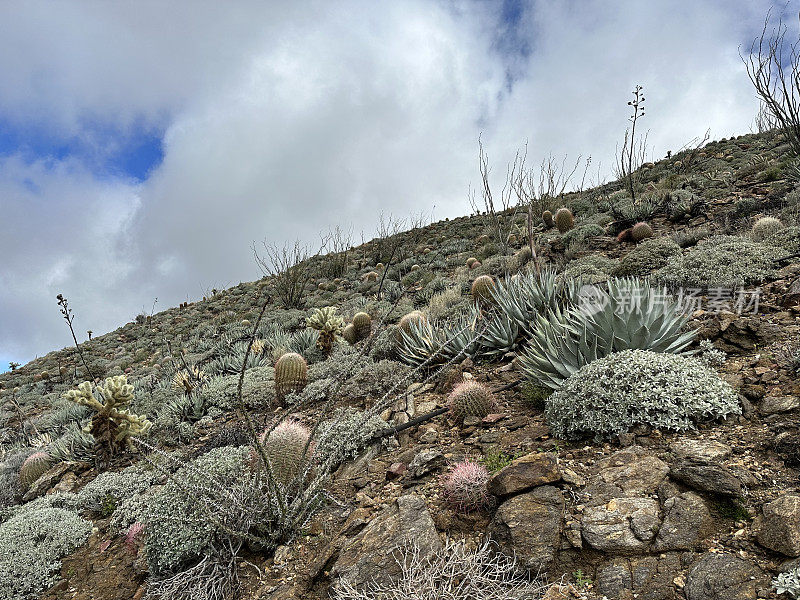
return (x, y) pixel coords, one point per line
(144, 146)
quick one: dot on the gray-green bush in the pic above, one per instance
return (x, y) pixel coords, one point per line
(638, 387)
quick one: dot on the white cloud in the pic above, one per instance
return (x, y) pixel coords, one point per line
(284, 119)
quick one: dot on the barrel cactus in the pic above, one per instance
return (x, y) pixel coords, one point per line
(564, 220)
(524, 254)
(415, 268)
(625, 236)
(482, 240)
(464, 486)
(36, 465)
(547, 219)
(291, 374)
(404, 326)
(471, 261)
(349, 334)
(288, 449)
(362, 323)
(482, 289)
(765, 227)
(371, 276)
(641, 231)
(470, 399)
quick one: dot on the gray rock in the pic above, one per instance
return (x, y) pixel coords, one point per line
(628, 473)
(624, 525)
(370, 555)
(707, 477)
(425, 462)
(700, 450)
(687, 521)
(722, 577)
(778, 404)
(525, 473)
(778, 527)
(529, 526)
(640, 577)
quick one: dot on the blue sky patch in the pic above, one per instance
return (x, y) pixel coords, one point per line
(106, 151)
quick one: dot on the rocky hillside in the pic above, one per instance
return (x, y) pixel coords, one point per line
(444, 413)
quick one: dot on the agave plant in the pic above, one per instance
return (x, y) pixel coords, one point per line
(499, 335)
(527, 295)
(437, 343)
(629, 314)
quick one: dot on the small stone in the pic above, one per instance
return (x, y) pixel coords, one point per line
(524, 473)
(778, 527)
(425, 462)
(396, 471)
(771, 405)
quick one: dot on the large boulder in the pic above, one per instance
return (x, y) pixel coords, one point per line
(722, 577)
(623, 526)
(707, 476)
(640, 577)
(372, 554)
(628, 473)
(524, 473)
(778, 527)
(687, 521)
(529, 526)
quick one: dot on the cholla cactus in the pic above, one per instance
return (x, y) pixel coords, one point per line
(547, 219)
(482, 289)
(564, 220)
(291, 374)
(36, 465)
(258, 346)
(362, 324)
(349, 334)
(765, 227)
(288, 450)
(112, 425)
(187, 381)
(641, 231)
(329, 324)
(404, 325)
(470, 399)
(464, 486)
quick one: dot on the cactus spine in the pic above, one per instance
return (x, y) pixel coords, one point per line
(470, 399)
(291, 374)
(564, 220)
(362, 323)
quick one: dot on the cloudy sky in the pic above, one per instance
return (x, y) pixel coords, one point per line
(144, 146)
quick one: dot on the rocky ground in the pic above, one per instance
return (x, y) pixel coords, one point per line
(707, 514)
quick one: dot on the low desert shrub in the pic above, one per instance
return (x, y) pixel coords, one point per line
(720, 262)
(637, 387)
(647, 257)
(32, 544)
